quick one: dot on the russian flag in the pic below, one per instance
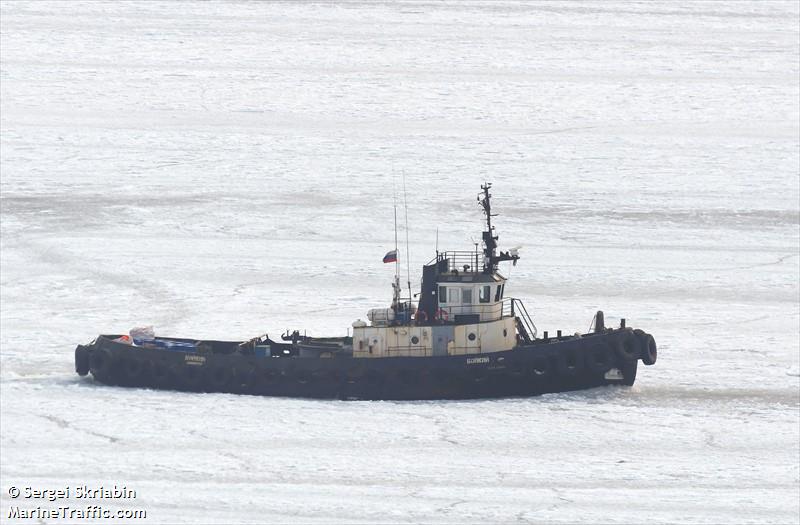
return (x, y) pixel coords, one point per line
(390, 257)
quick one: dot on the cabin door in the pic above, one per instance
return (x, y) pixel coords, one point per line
(441, 336)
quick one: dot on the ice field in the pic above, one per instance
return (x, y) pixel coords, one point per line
(224, 170)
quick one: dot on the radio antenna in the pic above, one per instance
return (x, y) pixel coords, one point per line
(408, 256)
(396, 283)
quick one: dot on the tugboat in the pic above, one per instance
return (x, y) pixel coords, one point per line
(461, 339)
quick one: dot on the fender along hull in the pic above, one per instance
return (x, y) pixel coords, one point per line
(544, 367)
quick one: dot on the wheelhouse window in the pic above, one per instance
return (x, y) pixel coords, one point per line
(454, 295)
(443, 294)
(498, 293)
(485, 294)
(466, 296)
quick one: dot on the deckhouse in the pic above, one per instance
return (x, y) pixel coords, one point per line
(462, 308)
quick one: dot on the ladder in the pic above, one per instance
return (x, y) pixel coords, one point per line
(525, 327)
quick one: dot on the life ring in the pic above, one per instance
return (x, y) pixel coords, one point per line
(81, 360)
(627, 346)
(101, 362)
(569, 362)
(599, 358)
(650, 353)
(421, 316)
(442, 315)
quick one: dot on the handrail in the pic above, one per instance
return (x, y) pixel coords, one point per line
(411, 351)
(520, 312)
(491, 308)
(507, 307)
(456, 260)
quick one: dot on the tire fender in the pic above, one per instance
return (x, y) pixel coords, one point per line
(541, 366)
(101, 362)
(650, 350)
(133, 367)
(191, 376)
(81, 360)
(219, 377)
(569, 362)
(160, 373)
(600, 358)
(628, 346)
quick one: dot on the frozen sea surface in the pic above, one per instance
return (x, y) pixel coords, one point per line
(225, 169)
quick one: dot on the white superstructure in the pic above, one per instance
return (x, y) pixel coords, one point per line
(461, 309)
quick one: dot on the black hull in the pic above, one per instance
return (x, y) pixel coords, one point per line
(543, 367)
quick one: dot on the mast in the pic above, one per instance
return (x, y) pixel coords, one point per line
(396, 283)
(489, 239)
(408, 256)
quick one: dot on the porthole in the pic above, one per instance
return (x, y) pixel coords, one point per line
(414, 340)
(505, 332)
(471, 337)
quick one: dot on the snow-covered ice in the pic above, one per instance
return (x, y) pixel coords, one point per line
(225, 169)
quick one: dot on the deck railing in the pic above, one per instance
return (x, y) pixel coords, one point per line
(490, 310)
(457, 260)
(507, 307)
